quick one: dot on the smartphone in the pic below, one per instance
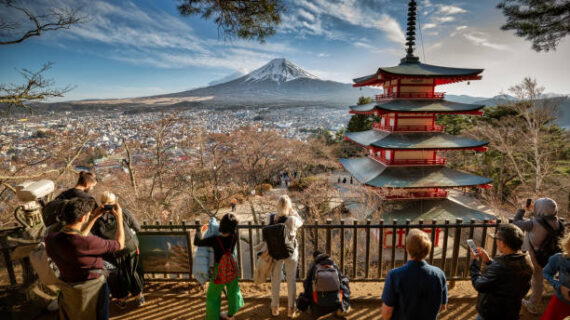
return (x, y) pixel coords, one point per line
(472, 245)
(528, 203)
(108, 207)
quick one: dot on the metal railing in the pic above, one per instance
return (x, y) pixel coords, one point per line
(429, 128)
(410, 95)
(363, 251)
(409, 162)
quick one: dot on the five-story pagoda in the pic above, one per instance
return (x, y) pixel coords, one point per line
(405, 147)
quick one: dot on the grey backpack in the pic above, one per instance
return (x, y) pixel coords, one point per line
(326, 286)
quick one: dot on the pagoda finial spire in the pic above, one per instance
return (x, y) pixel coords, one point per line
(411, 34)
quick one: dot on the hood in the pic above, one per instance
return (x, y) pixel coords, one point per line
(545, 207)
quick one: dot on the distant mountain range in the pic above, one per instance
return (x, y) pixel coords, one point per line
(563, 119)
(278, 81)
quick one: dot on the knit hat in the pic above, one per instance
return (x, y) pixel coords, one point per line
(545, 207)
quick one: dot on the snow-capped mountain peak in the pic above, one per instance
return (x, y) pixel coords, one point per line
(279, 70)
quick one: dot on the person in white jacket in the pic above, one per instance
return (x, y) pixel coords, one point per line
(293, 222)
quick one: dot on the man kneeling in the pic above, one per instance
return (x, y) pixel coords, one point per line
(326, 288)
(84, 292)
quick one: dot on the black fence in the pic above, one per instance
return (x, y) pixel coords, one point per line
(363, 251)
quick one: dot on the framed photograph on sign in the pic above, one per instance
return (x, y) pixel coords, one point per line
(165, 252)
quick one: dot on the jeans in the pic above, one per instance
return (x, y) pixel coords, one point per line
(291, 275)
(103, 303)
(479, 317)
(536, 282)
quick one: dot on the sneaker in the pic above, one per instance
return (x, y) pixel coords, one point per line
(275, 311)
(342, 313)
(530, 307)
(140, 301)
(292, 313)
(121, 304)
(224, 315)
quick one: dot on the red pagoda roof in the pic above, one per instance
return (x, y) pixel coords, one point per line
(442, 75)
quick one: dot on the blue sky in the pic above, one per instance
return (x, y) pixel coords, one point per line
(139, 48)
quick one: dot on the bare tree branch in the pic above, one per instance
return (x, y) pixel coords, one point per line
(56, 19)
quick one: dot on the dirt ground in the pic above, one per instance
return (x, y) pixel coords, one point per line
(187, 301)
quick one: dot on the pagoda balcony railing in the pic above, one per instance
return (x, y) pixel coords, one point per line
(401, 128)
(410, 162)
(411, 95)
(417, 195)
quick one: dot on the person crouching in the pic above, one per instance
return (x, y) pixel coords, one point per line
(326, 288)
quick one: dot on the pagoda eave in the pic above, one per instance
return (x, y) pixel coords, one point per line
(421, 141)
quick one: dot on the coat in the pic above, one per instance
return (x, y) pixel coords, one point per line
(264, 263)
(502, 286)
(204, 257)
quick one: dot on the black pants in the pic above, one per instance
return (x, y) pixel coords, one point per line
(128, 277)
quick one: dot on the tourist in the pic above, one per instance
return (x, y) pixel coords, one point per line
(85, 184)
(416, 290)
(84, 293)
(129, 277)
(233, 202)
(292, 221)
(225, 269)
(545, 212)
(50, 213)
(335, 295)
(506, 280)
(559, 306)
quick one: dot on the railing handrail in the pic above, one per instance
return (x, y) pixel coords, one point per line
(410, 95)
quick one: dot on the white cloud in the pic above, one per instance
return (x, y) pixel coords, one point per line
(480, 39)
(429, 26)
(461, 28)
(451, 9)
(307, 15)
(445, 19)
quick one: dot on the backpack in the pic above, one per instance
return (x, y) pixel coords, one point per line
(279, 244)
(326, 286)
(551, 243)
(227, 268)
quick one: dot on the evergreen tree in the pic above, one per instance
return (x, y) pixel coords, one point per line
(244, 19)
(360, 122)
(544, 22)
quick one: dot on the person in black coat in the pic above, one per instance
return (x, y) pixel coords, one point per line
(305, 300)
(128, 275)
(506, 280)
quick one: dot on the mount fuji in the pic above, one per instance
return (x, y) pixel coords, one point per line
(278, 81)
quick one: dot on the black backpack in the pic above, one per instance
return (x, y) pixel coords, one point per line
(279, 245)
(551, 243)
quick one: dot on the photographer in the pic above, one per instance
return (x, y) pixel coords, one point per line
(541, 230)
(128, 277)
(84, 292)
(505, 280)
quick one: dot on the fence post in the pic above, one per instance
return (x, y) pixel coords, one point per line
(484, 234)
(316, 230)
(329, 249)
(433, 234)
(468, 256)
(456, 244)
(380, 247)
(494, 250)
(354, 248)
(408, 221)
(190, 257)
(238, 243)
(444, 251)
(342, 247)
(394, 235)
(250, 238)
(303, 261)
(367, 261)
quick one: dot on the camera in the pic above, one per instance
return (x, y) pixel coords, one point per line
(108, 207)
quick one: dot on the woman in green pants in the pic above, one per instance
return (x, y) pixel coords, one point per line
(225, 271)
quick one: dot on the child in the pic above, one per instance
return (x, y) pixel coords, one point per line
(225, 269)
(559, 306)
